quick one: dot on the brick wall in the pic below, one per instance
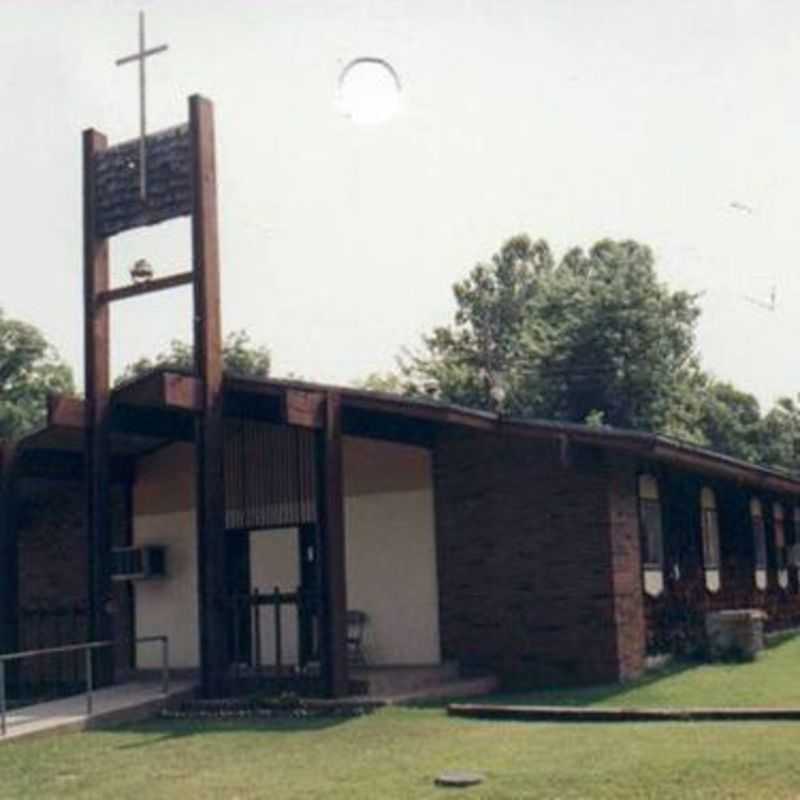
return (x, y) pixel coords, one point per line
(53, 568)
(626, 565)
(525, 556)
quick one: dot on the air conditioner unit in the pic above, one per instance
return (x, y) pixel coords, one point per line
(794, 555)
(138, 563)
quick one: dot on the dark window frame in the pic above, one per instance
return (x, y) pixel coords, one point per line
(652, 534)
(709, 532)
(759, 536)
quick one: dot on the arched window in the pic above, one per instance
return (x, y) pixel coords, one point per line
(781, 561)
(759, 543)
(651, 535)
(709, 525)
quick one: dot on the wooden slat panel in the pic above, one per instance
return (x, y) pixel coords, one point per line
(169, 188)
(268, 475)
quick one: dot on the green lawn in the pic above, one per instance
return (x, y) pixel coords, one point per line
(394, 754)
(771, 681)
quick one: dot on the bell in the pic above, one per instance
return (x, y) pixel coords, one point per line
(141, 271)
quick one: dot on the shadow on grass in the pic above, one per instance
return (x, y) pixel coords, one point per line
(160, 730)
(570, 696)
(779, 639)
(589, 695)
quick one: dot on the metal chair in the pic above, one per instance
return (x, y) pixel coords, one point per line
(356, 623)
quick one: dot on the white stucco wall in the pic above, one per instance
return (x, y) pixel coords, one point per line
(274, 561)
(391, 550)
(164, 515)
(390, 555)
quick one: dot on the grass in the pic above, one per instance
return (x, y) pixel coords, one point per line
(396, 753)
(771, 681)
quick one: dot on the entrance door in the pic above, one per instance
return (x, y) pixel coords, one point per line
(275, 564)
(263, 560)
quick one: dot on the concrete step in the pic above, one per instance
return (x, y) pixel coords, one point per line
(459, 688)
(402, 679)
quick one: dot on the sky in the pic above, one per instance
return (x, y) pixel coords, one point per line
(673, 123)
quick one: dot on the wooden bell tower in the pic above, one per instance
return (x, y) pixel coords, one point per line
(160, 176)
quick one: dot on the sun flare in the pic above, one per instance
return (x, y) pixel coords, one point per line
(369, 91)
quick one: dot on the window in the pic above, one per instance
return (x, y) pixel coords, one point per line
(709, 525)
(651, 535)
(780, 546)
(759, 543)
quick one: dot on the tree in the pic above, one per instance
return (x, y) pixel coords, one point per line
(596, 337)
(780, 435)
(30, 369)
(386, 382)
(239, 358)
(479, 359)
(730, 421)
(614, 340)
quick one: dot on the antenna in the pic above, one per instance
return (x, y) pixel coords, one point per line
(768, 306)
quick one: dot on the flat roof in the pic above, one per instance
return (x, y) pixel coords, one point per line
(174, 390)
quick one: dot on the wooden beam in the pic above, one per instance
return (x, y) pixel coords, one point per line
(165, 390)
(64, 411)
(304, 409)
(137, 289)
(183, 392)
(98, 394)
(334, 606)
(209, 475)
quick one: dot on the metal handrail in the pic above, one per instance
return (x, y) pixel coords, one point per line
(46, 651)
(164, 657)
(88, 647)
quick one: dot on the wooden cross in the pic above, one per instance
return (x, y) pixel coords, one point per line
(140, 57)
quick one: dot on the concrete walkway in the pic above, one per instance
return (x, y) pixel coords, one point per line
(123, 703)
(608, 714)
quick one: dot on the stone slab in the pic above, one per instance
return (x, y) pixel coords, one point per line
(581, 714)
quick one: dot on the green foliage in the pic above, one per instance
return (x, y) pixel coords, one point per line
(613, 339)
(480, 359)
(780, 435)
(30, 369)
(730, 421)
(386, 382)
(596, 337)
(239, 357)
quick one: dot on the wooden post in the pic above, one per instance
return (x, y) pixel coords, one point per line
(276, 595)
(209, 476)
(256, 617)
(9, 561)
(334, 604)
(97, 388)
